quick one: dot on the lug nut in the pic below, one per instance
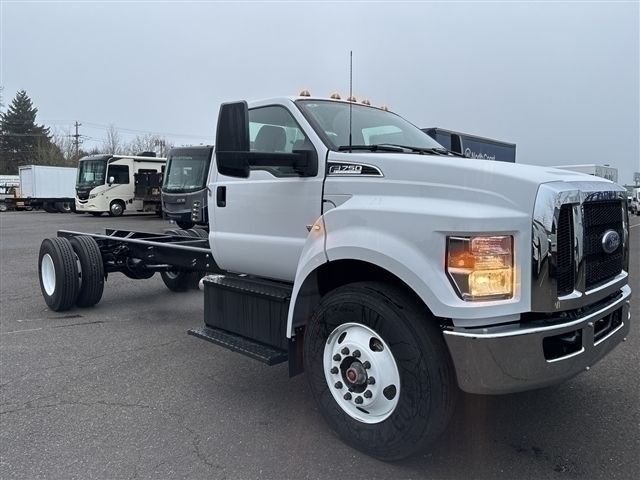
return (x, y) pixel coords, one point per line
(368, 394)
(345, 351)
(338, 385)
(358, 400)
(347, 396)
(371, 381)
(366, 365)
(334, 370)
(337, 357)
(356, 353)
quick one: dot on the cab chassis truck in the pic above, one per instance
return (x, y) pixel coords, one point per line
(387, 271)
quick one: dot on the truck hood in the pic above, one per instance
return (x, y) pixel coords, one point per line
(469, 182)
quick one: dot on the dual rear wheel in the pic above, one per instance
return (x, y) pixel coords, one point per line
(71, 272)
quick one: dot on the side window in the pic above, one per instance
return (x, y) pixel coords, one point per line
(274, 130)
(120, 173)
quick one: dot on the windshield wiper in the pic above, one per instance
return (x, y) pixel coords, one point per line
(371, 148)
(423, 150)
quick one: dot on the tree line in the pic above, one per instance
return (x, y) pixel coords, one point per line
(25, 142)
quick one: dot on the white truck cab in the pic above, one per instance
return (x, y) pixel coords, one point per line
(518, 271)
(350, 244)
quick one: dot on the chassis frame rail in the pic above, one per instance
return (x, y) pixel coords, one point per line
(127, 251)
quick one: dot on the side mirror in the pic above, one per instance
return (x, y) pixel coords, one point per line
(232, 139)
(112, 180)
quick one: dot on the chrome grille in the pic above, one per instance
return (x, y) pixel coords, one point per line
(565, 271)
(570, 268)
(598, 218)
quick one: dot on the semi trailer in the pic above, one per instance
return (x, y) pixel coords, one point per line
(346, 243)
(473, 146)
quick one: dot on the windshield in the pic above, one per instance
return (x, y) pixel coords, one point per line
(91, 172)
(369, 126)
(187, 170)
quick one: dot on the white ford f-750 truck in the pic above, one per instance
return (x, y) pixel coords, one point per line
(349, 243)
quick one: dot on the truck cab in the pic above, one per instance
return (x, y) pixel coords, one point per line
(351, 245)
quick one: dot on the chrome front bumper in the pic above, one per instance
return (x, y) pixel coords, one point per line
(511, 358)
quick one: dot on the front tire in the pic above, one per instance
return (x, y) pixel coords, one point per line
(58, 273)
(177, 281)
(185, 225)
(371, 330)
(116, 208)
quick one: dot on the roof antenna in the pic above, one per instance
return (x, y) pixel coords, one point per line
(350, 94)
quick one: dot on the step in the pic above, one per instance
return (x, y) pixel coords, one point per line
(237, 343)
(253, 286)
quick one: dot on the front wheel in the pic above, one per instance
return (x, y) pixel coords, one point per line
(177, 281)
(185, 225)
(116, 208)
(379, 369)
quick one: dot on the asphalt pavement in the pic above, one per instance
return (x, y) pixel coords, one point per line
(121, 391)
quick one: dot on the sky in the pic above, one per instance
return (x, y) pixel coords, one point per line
(559, 79)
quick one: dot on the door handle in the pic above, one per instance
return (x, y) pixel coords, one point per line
(221, 196)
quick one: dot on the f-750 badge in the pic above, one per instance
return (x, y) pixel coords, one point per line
(345, 169)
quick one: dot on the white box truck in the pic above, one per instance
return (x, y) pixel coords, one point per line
(602, 171)
(50, 188)
(351, 245)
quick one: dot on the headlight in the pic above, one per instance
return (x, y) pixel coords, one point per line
(93, 195)
(481, 267)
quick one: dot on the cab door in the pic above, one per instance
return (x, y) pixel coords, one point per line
(260, 223)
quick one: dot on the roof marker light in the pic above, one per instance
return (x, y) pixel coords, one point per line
(335, 96)
(305, 93)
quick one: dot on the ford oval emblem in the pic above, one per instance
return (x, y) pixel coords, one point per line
(610, 241)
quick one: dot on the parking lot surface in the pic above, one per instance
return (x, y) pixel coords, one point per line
(121, 391)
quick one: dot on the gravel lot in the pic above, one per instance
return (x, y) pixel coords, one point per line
(121, 391)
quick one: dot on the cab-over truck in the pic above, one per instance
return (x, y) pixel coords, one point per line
(351, 245)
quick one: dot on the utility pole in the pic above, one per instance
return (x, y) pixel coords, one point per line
(76, 139)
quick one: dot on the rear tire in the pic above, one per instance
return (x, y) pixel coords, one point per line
(49, 208)
(116, 208)
(63, 207)
(412, 397)
(177, 281)
(58, 273)
(92, 275)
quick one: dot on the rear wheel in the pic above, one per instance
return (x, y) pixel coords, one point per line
(92, 270)
(3, 207)
(49, 207)
(63, 207)
(58, 273)
(379, 370)
(116, 208)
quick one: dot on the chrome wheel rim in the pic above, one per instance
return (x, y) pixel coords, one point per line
(116, 208)
(48, 274)
(361, 373)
